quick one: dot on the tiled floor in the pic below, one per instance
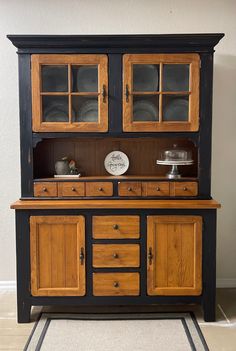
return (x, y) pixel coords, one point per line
(220, 336)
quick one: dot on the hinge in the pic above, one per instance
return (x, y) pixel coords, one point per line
(29, 287)
(200, 64)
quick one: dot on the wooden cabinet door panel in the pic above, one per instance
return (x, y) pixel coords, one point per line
(174, 262)
(56, 243)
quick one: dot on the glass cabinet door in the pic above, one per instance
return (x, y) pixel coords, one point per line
(161, 92)
(69, 93)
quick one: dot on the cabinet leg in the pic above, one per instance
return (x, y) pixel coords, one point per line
(23, 312)
(209, 312)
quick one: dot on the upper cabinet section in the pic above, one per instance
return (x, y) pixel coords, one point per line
(161, 92)
(69, 93)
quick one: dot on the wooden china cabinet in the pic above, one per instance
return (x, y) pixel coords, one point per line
(134, 239)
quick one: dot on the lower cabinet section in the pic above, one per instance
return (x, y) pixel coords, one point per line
(57, 250)
(116, 284)
(174, 255)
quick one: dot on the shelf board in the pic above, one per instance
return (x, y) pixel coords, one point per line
(107, 177)
(114, 204)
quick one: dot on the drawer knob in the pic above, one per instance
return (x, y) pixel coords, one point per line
(158, 188)
(100, 189)
(129, 189)
(116, 284)
(115, 226)
(115, 255)
(73, 189)
(185, 188)
(44, 189)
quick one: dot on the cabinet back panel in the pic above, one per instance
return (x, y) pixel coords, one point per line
(89, 155)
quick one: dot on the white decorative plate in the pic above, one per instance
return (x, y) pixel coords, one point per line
(116, 163)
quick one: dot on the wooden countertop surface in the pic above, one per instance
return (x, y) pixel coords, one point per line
(112, 204)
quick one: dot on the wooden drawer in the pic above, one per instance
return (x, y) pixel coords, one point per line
(155, 189)
(183, 189)
(116, 227)
(45, 189)
(116, 255)
(99, 189)
(113, 284)
(71, 189)
(129, 188)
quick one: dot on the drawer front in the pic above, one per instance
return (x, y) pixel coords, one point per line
(129, 189)
(45, 189)
(117, 255)
(71, 189)
(116, 227)
(184, 189)
(155, 189)
(116, 284)
(99, 189)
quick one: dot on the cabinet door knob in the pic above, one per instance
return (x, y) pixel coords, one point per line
(115, 226)
(81, 256)
(104, 93)
(44, 189)
(158, 189)
(115, 255)
(116, 284)
(127, 93)
(129, 189)
(100, 189)
(73, 189)
(185, 188)
(150, 255)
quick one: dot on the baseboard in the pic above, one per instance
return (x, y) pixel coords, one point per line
(7, 285)
(220, 283)
(226, 283)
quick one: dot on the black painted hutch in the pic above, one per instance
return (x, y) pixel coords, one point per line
(133, 239)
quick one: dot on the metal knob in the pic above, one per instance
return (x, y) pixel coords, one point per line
(129, 189)
(158, 189)
(115, 255)
(115, 226)
(44, 190)
(100, 189)
(73, 189)
(185, 188)
(116, 284)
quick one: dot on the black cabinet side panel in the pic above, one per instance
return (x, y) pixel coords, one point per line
(206, 78)
(26, 149)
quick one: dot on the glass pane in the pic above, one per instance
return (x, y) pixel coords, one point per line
(145, 77)
(176, 77)
(175, 108)
(84, 109)
(55, 109)
(146, 108)
(85, 78)
(54, 78)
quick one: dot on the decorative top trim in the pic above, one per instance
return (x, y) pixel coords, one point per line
(196, 42)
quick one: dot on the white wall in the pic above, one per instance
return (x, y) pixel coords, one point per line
(120, 17)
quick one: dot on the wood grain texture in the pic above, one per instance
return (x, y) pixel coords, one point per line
(45, 189)
(55, 245)
(71, 189)
(116, 227)
(43, 59)
(116, 255)
(176, 244)
(183, 189)
(113, 204)
(116, 284)
(99, 189)
(160, 126)
(129, 188)
(155, 188)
